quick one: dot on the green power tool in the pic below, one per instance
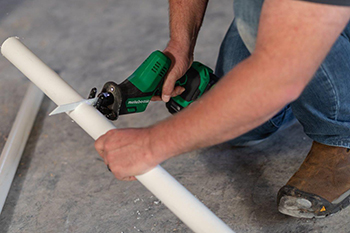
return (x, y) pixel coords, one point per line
(134, 94)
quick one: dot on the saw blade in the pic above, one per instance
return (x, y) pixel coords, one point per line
(70, 107)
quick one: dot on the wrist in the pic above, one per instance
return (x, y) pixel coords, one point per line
(179, 49)
(161, 143)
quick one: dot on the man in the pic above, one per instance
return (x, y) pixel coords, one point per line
(279, 59)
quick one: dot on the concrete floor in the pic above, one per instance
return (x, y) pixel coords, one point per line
(63, 186)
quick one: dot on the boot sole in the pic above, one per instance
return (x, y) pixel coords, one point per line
(299, 204)
(297, 207)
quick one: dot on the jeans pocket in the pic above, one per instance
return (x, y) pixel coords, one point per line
(281, 117)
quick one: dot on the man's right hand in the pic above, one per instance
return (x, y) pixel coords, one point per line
(181, 61)
(185, 21)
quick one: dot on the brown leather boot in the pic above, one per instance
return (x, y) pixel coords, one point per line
(320, 187)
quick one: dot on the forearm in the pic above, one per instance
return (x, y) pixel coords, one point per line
(293, 39)
(287, 54)
(246, 97)
(185, 20)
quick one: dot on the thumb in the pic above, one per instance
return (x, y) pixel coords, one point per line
(180, 62)
(168, 86)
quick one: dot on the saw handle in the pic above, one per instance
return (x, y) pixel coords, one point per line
(196, 81)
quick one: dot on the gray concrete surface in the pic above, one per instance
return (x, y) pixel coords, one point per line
(63, 186)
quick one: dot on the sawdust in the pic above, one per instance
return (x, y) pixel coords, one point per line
(146, 213)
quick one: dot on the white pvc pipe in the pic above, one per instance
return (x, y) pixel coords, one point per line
(177, 198)
(17, 139)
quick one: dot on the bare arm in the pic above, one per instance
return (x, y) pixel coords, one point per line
(185, 20)
(293, 39)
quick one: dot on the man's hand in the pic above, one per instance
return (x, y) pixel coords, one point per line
(181, 60)
(185, 21)
(127, 152)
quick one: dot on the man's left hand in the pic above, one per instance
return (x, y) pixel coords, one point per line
(127, 152)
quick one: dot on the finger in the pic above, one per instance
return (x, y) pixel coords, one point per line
(104, 158)
(129, 178)
(168, 87)
(177, 91)
(99, 145)
(156, 98)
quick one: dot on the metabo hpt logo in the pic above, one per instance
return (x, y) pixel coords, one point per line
(138, 101)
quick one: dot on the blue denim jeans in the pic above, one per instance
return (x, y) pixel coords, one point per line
(323, 108)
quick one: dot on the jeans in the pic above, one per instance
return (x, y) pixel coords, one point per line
(323, 108)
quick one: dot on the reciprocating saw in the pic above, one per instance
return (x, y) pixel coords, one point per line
(134, 94)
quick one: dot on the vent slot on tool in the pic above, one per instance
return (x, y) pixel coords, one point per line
(156, 67)
(162, 72)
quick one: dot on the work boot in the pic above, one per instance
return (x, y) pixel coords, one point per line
(320, 187)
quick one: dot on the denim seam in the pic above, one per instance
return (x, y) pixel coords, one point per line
(340, 143)
(273, 123)
(336, 98)
(282, 117)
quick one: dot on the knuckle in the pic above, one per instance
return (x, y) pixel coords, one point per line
(167, 91)
(109, 133)
(107, 146)
(109, 156)
(97, 145)
(119, 175)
